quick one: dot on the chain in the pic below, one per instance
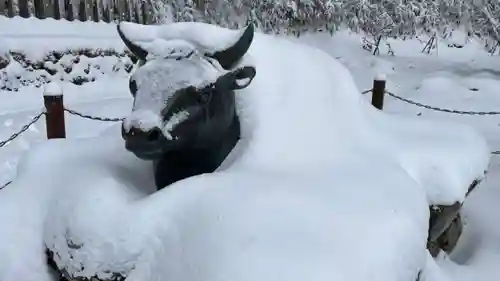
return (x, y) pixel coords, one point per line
(437, 108)
(5, 185)
(15, 135)
(497, 152)
(462, 112)
(104, 119)
(366, 91)
(35, 119)
(23, 129)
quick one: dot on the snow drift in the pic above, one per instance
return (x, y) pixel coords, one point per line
(322, 186)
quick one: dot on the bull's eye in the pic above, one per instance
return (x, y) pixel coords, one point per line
(132, 85)
(205, 96)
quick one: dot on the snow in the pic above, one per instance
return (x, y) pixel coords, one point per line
(151, 37)
(175, 120)
(380, 77)
(52, 89)
(320, 180)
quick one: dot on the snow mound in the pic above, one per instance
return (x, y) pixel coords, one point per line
(322, 182)
(97, 212)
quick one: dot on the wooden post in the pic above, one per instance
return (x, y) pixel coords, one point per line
(378, 92)
(54, 117)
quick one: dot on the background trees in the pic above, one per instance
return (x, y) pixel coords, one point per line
(379, 18)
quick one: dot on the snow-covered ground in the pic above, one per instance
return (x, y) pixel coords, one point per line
(443, 80)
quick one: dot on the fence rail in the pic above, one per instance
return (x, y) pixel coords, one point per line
(138, 11)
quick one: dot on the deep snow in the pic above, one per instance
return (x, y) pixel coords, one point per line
(112, 170)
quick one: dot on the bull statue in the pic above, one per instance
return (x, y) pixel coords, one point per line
(184, 115)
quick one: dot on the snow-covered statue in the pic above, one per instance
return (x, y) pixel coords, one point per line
(184, 115)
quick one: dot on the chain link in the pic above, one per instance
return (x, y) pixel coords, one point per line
(23, 129)
(37, 117)
(462, 112)
(366, 91)
(104, 119)
(5, 185)
(15, 135)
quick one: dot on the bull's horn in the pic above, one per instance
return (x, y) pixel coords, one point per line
(134, 48)
(229, 57)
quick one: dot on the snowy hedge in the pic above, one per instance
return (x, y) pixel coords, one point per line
(77, 66)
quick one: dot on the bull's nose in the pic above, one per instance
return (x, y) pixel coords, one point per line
(146, 145)
(151, 135)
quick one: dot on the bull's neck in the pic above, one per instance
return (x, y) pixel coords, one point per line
(221, 148)
(181, 164)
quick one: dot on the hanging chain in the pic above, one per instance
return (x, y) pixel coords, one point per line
(86, 116)
(22, 130)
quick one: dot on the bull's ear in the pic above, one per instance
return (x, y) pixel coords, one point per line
(139, 52)
(237, 79)
(230, 56)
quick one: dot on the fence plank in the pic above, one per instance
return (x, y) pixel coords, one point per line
(68, 10)
(126, 6)
(10, 9)
(144, 12)
(116, 12)
(121, 10)
(128, 10)
(82, 11)
(56, 13)
(39, 9)
(3, 7)
(23, 8)
(48, 8)
(106, 12)
(95, 10)
(136, 13)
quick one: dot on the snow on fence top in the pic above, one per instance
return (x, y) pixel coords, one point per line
(103, 10)
(36, 38)
(52, 89)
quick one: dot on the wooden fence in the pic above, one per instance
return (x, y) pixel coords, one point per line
(84, 10)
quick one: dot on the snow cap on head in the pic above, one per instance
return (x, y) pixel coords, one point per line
(228, 49)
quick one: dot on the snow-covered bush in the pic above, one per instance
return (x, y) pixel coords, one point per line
(34, 52)
(77, 66)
